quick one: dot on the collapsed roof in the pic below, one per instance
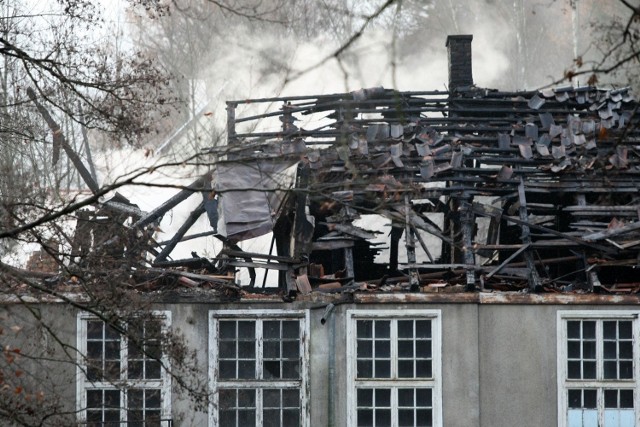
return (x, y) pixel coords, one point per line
(532, 190)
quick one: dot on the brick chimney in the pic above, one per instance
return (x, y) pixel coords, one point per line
(460, 72)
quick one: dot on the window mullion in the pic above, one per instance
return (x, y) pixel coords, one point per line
(259, 420)
(599, 351)
(259, 349)
(394, 405)
(393, 336)
(600, 403)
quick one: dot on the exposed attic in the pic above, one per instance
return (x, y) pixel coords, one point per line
(485, 190)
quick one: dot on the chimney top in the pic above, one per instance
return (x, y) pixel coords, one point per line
(459, 37)
(460, 69)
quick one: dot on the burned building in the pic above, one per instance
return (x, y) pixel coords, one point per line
(509, 295)
(526, 190)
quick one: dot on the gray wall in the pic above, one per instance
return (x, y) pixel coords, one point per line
(498, 361)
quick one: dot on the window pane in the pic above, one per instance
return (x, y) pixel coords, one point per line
(271, 329)
(135, 418)
(382, 328)
(406, 397)
(423, 369)
(609, 330)
(405, 329)
(575, 398)
(364, 349)
(227, 329)
(573, 329)
(112, 370)
(94, 329)
(609, 348)
(424, 396)
(227, 349)
(290, 417)
(423, 328)
(227, 418)
(153, 349)
(405, 418)
(610, 370)
(290, 329)
(573, 349)
(383, 418)
(624, 329)
(246, 329)
(626, 398)
(246, 398)
(405, 349)
(626, 370)
(424, 418)
(589, 370)
(227, 398)
(247, 418)
(364, 369)
(423, 348)
(382, 368)
(271, 349)
(271, 398)
(94, 349)
(611, 398)
(271, 370)
(365, 417)
(573, 370)
(153, 370)
(152, 398)
(227, 369)
(246, 349)
(291, 398)
(94, 398)
(365, 397)
(135, 369)
(246, 369)
(291, 370)
(590, 398)
(626, 350)
(382, 349)
(382, 397)
(271, 418)
(364, 328)
(291, 349)
(589, 350)
(588, 329)
(405, 369)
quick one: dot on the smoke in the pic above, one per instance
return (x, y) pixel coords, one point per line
(516, 45)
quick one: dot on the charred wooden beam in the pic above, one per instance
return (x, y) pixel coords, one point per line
(534, 279)
(191, 219)
(200, 184)
(60, 141)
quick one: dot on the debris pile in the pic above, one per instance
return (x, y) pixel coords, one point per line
(483, 189)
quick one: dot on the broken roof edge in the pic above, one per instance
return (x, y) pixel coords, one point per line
(316, 300)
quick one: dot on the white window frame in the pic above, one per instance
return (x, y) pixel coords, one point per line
(564, 383)
(435, 384)
(258, 315)
(83, 384)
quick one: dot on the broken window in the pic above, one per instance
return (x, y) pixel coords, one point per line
(258, 367)
(598, 378)
(394, 368)
(122, 379)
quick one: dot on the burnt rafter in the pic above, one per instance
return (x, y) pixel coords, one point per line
(473, 189)
(505, 181)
